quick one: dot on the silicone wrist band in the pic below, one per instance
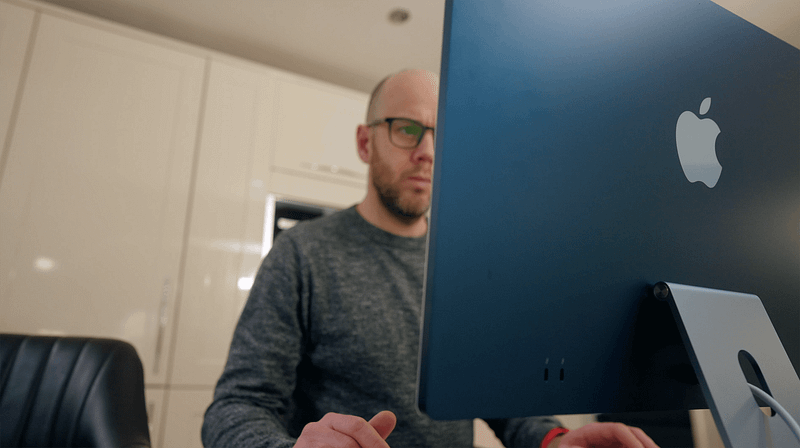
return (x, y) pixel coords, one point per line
(552, 434)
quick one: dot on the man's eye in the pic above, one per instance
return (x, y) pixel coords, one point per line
(410, 130)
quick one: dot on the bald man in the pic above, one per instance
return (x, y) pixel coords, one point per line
(325, 351)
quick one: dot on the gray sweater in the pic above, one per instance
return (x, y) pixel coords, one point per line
(332, 325)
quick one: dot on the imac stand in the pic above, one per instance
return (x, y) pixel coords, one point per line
(722, 330)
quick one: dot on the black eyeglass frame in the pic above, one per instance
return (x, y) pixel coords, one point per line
(389, 120)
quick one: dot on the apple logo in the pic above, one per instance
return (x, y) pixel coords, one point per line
(696, 139)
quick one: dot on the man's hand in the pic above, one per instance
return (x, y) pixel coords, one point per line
(348, 431)
(604, 435)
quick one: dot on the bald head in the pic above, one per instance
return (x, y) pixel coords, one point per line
(399, 183)
(415, 82)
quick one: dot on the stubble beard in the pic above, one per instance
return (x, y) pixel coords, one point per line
(406, 209)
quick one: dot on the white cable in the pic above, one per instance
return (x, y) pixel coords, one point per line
(773, 403)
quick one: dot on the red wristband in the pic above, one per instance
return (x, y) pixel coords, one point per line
(552, 434)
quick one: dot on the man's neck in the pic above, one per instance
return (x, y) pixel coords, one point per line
(380, 217)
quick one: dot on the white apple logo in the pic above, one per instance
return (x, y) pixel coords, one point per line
(696, 139)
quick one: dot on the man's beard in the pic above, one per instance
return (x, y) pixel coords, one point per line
(406, 209)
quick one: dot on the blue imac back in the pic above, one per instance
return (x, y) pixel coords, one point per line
(586, 150)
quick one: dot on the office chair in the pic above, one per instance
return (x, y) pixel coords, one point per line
(71, 392)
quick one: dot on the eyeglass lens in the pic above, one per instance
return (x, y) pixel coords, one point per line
(405, 133)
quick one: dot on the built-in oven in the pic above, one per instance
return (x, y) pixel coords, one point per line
(281, 214)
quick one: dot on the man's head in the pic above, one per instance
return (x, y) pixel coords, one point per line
(400, 176)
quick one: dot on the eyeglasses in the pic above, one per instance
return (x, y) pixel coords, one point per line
(404, 133)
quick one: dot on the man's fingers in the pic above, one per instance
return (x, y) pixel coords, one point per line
(356, 427)
(320, 435)
(607, 435)
(348, 431)
(384, 423)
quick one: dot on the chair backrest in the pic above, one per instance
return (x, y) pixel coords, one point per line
(71, 392)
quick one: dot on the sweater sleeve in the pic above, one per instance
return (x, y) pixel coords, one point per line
(253, 397)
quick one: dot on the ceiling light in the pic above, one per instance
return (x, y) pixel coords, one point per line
(44, 264)
(399, 16)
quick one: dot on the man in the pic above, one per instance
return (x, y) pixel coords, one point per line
(330, 334)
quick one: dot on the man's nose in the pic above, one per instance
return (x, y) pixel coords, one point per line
(425, 150)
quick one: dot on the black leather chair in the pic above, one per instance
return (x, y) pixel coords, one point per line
(71, 392)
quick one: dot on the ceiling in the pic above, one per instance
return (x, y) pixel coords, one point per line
(346, 42)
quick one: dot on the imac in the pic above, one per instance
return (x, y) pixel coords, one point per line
(586, 152)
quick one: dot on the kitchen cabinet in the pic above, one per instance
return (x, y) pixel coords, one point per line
(15, 35)
(226, 228)
(184, 418)
(154, 400)
(316, 191)
(133, 185)
(95, 188)
(226, 224)
(315, 133)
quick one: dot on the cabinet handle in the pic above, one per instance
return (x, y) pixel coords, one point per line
(162, 324)
(332, 169)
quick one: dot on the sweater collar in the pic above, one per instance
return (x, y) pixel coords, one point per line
(381, 236)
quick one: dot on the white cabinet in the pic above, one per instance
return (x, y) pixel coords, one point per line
(242, 122)
(133, 182)
(155, 400)
(184, 418)
(315, 142)
(15, 32)
(95, 189)
(226, 225)
(316, 191)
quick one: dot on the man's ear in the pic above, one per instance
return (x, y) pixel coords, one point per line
(362, 142)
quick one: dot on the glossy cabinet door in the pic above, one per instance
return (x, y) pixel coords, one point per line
(155, 401)
(315, 134)
(15, 36)
(94, 194)
(226, 225)
(301, 188)
(183, 418)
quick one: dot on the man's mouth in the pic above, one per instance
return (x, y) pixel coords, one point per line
(419, 181)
